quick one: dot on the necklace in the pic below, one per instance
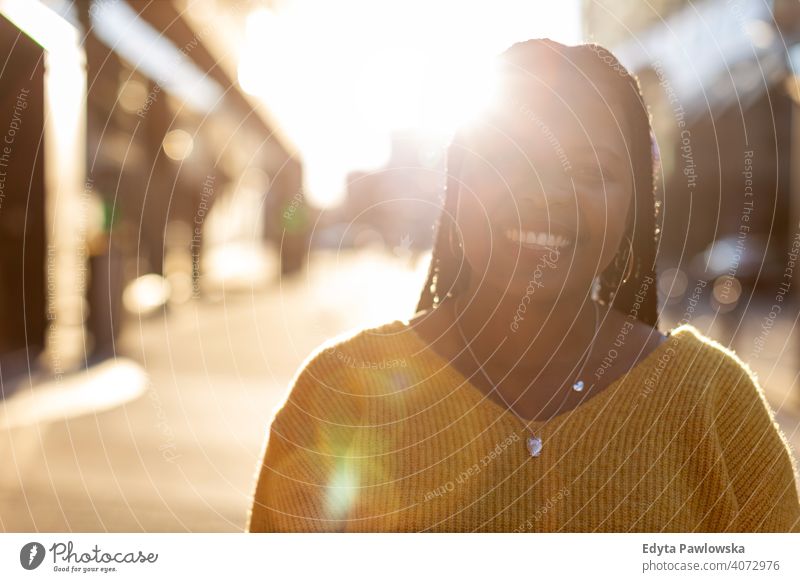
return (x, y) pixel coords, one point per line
(534, 442)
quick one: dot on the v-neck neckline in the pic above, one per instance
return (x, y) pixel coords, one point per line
(484, 399)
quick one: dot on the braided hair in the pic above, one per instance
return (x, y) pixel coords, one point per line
(449, 271)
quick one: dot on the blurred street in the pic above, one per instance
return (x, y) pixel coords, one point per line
(180, 454)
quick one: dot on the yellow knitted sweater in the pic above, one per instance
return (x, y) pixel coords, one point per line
(379, 433)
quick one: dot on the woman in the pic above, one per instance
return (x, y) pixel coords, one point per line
(533, 391)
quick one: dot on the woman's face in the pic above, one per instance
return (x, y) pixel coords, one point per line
(544, 192)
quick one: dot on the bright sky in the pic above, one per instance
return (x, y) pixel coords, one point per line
(341, 76)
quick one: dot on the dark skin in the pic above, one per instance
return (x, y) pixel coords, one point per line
(559, 165)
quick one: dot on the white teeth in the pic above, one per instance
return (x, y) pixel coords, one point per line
(537, 238)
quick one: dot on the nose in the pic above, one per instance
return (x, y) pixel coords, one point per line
(540, 192)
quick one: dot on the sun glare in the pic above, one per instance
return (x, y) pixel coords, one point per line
(341, 77)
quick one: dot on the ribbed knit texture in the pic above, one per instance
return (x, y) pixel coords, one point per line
(379, 433)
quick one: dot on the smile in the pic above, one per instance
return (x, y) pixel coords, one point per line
(539, 239)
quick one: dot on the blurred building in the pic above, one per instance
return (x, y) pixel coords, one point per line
(394, 207)
(714, 74)
(612, 22)
(146, 137)
(23, 252)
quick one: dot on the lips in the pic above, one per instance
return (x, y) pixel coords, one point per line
(537, 238)
(541, 235)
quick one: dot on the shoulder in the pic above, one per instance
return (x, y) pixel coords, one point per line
(365, 348)
(707, 370)
(757, 455)
(332, 382)
(733, 388)
(707, 360)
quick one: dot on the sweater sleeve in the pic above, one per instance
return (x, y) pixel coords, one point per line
(303, 482)
(762, 471)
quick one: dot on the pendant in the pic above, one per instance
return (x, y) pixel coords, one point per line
(578, 386)
(534, 445)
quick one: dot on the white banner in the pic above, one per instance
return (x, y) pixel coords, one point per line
(351, 557)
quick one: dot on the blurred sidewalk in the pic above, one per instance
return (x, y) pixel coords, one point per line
(180, 454)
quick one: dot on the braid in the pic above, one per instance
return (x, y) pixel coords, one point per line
(449, 272)
(638, 294)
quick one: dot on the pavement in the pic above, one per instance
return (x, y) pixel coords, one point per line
(167, 437)
(173, 441)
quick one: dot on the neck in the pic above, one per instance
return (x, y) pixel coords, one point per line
(532, 334)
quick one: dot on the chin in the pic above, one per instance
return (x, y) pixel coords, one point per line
(545, 289)
(534, 289)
